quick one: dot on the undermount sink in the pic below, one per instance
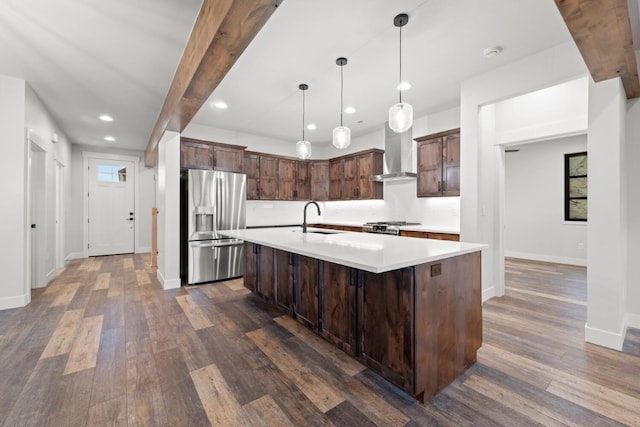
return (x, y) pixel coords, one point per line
(319, 231)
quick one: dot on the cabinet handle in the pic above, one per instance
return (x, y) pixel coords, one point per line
(439, 185)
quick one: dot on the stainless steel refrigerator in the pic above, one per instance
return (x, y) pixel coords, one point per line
(212, 201)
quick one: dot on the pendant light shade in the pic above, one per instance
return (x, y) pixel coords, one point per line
(341, 134)
(400, 114)
(400, 117)
(303, 147)
(341, 137)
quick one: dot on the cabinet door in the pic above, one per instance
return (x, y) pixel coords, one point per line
(430, 168)
(451, 167)
(284, 264)
(252, 170)
(227, 159)
(196, 156)
(302, 182)
(350, 179)
(335, 179)
(268, 178)
(266, 287)
(369, 164)
(286, 179)
(251, 266)
(338, 306)
(306, 291)
(319, 172)
(386, 325)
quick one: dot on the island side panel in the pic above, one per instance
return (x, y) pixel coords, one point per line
(386, 325)
(448, 321)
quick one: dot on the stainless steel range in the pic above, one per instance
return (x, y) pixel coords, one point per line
(386, 227)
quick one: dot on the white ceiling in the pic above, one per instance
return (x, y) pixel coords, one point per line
(85, 58)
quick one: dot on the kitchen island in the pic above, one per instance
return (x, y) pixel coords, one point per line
(408, 308)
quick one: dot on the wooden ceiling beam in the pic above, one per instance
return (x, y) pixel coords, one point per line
(222, 31)
(602, 30)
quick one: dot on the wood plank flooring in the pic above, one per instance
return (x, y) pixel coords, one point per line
(103, 344)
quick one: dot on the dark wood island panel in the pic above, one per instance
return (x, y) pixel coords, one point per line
(419, 327)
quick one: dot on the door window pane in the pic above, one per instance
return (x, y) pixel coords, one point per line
(112, 173)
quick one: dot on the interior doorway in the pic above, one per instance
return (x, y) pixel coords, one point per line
(59, 232)
(37, 204)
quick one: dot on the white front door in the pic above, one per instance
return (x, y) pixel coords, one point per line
(111, 207)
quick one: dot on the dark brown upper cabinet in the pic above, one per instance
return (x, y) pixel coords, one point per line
(319, 178)
(197, 154)
(252, 170)
(268, 178)
(349, 176)
(439, 164)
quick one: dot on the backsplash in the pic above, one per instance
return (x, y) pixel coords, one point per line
(400, 203)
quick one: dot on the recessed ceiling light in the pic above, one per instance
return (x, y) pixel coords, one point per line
(106, 118)
(221, 105)
(492, 51)
(109, 138)
(404, 86)
(350, 110)
(312, 126)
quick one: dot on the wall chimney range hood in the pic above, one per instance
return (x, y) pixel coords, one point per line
(398, 156)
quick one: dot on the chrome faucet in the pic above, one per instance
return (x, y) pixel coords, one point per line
(304, 217)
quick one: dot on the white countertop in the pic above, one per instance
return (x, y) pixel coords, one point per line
(375, 253)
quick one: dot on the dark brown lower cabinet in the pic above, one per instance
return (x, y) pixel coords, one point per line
(284, 279)
(306, 291)
(337, 306)
(251, 266)
(386, 325)
(258, 276)
(419, 327)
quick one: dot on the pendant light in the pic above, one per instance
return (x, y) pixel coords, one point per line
(303, 147)
(341, 134)
(400, 114)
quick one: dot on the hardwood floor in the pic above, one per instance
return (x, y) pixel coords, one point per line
(103, 344)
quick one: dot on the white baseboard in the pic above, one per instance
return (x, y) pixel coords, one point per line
(15, 302)
(487, 294)
(547, 258)
(143, 250)
(168, 283)
(633, 320)
(50, 275)
(613, 340)
(74, 255)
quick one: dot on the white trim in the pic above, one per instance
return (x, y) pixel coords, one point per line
(17, 301)
(74, 255)
(582, 223)
(613, 340)
(168, 283)
(487, 294)
(633, 320)
(143, 249)
(86, 155)
(49, 276)
(547, 258)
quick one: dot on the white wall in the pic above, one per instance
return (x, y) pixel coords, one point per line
(534, 203)
(144, 194)
(607, 253)
(14, 291)
(481, 165)
(633, 212)
(20, 109)
(168, 204)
